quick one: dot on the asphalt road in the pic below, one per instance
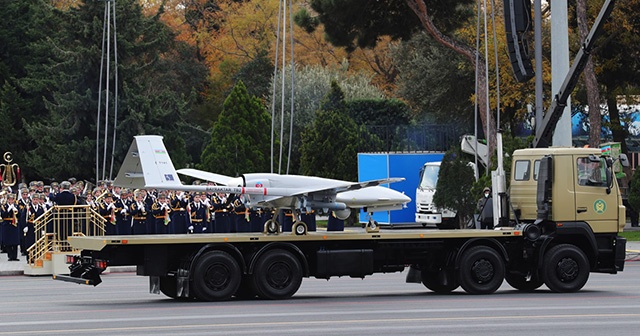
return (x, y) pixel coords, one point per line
(382, 304)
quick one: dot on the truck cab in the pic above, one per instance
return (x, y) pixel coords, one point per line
(426, 211)
(582, 188)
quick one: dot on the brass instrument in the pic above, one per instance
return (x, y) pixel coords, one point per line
(14, 220)
(10, 171)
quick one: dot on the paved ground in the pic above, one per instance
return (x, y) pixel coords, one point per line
(17, 267)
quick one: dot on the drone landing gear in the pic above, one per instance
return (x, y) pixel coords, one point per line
(298, 228)
(271, 227)
(371, 226)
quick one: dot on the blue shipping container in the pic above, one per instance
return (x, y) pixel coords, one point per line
(372, 166)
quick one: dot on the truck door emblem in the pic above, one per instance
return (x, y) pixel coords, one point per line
(599, 206)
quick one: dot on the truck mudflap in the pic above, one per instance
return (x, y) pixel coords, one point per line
(621, 253)
(83, 270)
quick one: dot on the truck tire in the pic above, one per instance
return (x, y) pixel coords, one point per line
(216, 276)
(566, 268)
(277, 275)
(521, 283)
(481, 270)
(440, 281)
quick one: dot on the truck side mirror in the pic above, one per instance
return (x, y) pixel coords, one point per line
(609, 180)
(624, 161)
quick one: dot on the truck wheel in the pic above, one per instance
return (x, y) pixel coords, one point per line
(216, 276)
(481, 270)
(277, 275)
(440, 281)
(566, 268)
(521, 283)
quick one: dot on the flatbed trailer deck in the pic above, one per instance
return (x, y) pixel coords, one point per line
(218, 266)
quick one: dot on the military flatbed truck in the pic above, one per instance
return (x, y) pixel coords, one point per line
(563, 224)
(558, 223)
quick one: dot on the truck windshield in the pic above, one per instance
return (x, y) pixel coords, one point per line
(429, 177)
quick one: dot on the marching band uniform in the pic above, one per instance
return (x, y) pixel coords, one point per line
(107, 210)
(23, 205)
(36, 209)
(240, 214)
(63, 198)
(148, 200)
(222, 218)
(123, 216)
(161, 211)
(198, 215)
(256, 220)
(11, 232)
(179, 216)
(139, 211)
(309, 218)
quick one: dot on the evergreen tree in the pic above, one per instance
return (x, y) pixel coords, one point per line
(330, 145)
(240, 139)
(157, 77)
(455, 180)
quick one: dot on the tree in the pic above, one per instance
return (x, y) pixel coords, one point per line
(361, 22)
(240, 138)
(431, 75)
(157, 79)
(330, 145)
(455, 181)
(312, 84)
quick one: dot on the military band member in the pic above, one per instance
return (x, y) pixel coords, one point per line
(240, 214)
(23, 206)
(123, 215)
(161, 210)
(139, 211)
(148, 200)
(11, 232)
(222, 209)
(36, 209)
(179, 216)
(198, 214)
(107, 210)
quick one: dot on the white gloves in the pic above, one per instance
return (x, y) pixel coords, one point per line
(191, 228)
(123, 211)
(25, 230)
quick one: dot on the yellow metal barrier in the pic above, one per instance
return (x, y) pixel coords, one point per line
(59, 222)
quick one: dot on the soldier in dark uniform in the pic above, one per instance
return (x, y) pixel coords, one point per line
(64, 198)
(139, 211)
(240, 215)
(285, 218)
(179, 217)
(198, 212)
(222, 209)
(309, 218)
(36, 209)
(23, 206)
(161, 211)
(148, 200)
(123, 215)
(107, 209)
(11, 232)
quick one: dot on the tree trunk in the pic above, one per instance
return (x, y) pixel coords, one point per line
(420, 9)
(590, 81)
